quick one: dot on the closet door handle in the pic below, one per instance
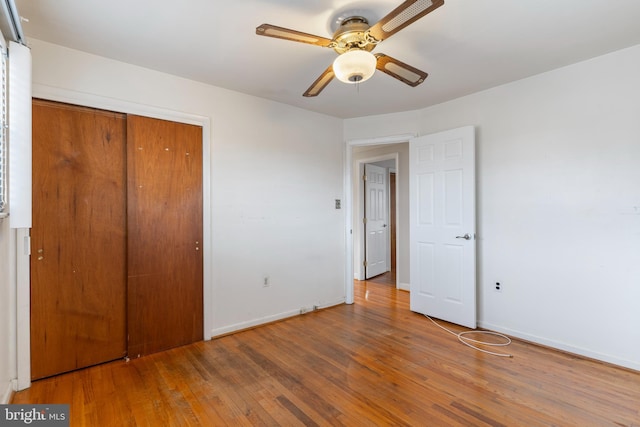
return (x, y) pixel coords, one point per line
(465, 237)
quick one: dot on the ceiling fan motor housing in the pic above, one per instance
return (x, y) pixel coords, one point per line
(352, 34)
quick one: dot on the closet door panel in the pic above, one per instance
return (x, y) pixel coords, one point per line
(164, 199)
(78, 239)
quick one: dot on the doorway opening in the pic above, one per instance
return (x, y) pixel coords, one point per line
(393, 157)
(441, 208)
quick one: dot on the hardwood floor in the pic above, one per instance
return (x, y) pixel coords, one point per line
(388, 278)
(372, 363)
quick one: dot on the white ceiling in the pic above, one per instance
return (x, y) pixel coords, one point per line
(465, 46)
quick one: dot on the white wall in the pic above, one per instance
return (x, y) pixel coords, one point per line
(558, 202)
(360, 153)
(275, 172)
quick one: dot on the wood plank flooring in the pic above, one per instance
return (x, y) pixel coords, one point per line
(373, 363)
(388, 278)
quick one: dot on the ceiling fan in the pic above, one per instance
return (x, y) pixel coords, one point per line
(355, 39)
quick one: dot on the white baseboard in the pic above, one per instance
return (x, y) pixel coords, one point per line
(7, 393)
(562, 346)
(225, 330)
(403, 287)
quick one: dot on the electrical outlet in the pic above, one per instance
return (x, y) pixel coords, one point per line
(265, 282)
(498, 287)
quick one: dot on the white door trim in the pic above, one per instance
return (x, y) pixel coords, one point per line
(349, 198)
(95, 101)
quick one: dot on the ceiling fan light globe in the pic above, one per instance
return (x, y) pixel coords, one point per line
(354, 66)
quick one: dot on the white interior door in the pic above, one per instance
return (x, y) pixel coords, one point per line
(377, 220)
(442, 226)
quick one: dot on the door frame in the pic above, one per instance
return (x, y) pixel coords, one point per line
(349, 203)
(22, 257)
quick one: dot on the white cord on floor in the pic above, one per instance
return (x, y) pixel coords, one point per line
(462, 337)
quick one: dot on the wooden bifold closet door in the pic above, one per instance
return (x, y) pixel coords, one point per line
(116, 243)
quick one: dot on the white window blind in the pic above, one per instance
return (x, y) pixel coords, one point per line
(3, 134)
(19, 134)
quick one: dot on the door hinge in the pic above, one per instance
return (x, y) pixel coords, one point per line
(364, 263)
(364, 220)
(364, 177)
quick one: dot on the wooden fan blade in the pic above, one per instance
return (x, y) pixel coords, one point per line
(293, 35)
(405, 14)
(320, 83)
(399, 70)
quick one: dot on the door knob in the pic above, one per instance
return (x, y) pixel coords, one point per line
(465, 237)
